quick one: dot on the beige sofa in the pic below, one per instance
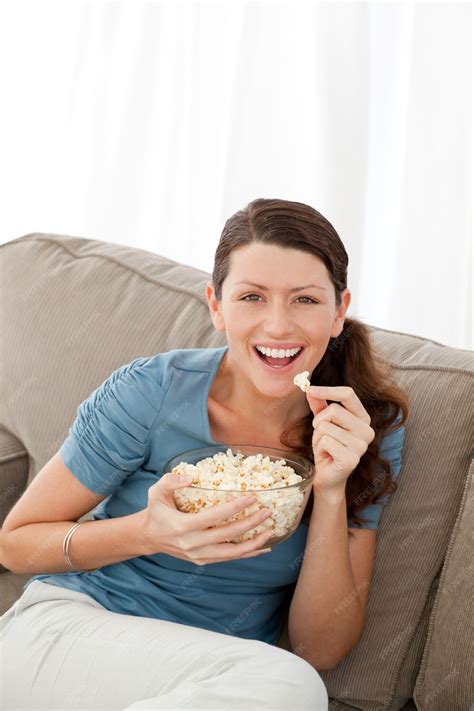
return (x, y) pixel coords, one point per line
(73, 310)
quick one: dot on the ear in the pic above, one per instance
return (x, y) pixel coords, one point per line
(338, 323)
(214, 307)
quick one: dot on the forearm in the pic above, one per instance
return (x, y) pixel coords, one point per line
(38, 547)
(325, 618)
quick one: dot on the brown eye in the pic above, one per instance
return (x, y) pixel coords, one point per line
(312, 301)
(309, 299)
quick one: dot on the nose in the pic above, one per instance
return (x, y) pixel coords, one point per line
(278, 323)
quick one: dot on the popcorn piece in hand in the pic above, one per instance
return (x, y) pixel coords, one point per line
(301, 380)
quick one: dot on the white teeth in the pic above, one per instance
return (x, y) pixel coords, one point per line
(280, 353)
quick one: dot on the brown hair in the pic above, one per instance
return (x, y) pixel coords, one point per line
(350, 359)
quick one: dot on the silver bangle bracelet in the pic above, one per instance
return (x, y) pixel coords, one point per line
(66, 541)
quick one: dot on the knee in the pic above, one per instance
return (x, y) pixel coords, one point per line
(290, 680)
(308, 690)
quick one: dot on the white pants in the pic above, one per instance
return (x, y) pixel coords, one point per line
(60, 649)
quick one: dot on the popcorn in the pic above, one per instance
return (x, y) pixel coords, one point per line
(230, 472)
(302, 381)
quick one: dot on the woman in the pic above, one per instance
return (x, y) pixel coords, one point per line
(145, 607)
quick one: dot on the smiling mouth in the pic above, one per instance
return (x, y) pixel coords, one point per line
(278, 363)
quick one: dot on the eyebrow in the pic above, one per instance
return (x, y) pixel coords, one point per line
(296, 288)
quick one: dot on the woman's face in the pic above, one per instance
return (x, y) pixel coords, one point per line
(276, 315)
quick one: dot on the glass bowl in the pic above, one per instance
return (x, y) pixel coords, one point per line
(287, 501)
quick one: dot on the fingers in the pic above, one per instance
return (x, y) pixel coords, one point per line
(209, 539)
(234, 551)
(218, 513)
(222, 552)
(238, 550)
(231, 551)
(255, 553)
(223, 533)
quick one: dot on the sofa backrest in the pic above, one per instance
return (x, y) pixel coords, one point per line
(76, 309)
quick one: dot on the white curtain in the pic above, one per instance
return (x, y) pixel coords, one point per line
(150, 123)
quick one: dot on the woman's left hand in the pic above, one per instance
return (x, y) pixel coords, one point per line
(342, 434)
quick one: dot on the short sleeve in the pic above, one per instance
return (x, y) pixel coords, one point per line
(391, 448)
(109, 437)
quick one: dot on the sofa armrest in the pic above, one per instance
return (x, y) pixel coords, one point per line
(14, 464)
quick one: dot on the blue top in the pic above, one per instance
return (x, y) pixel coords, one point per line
(142, 415)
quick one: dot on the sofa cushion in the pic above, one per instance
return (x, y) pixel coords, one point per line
(341, 706)
(83, 308)
(446, 678)
(11, 588)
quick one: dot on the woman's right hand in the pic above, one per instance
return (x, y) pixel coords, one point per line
(198, 537)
